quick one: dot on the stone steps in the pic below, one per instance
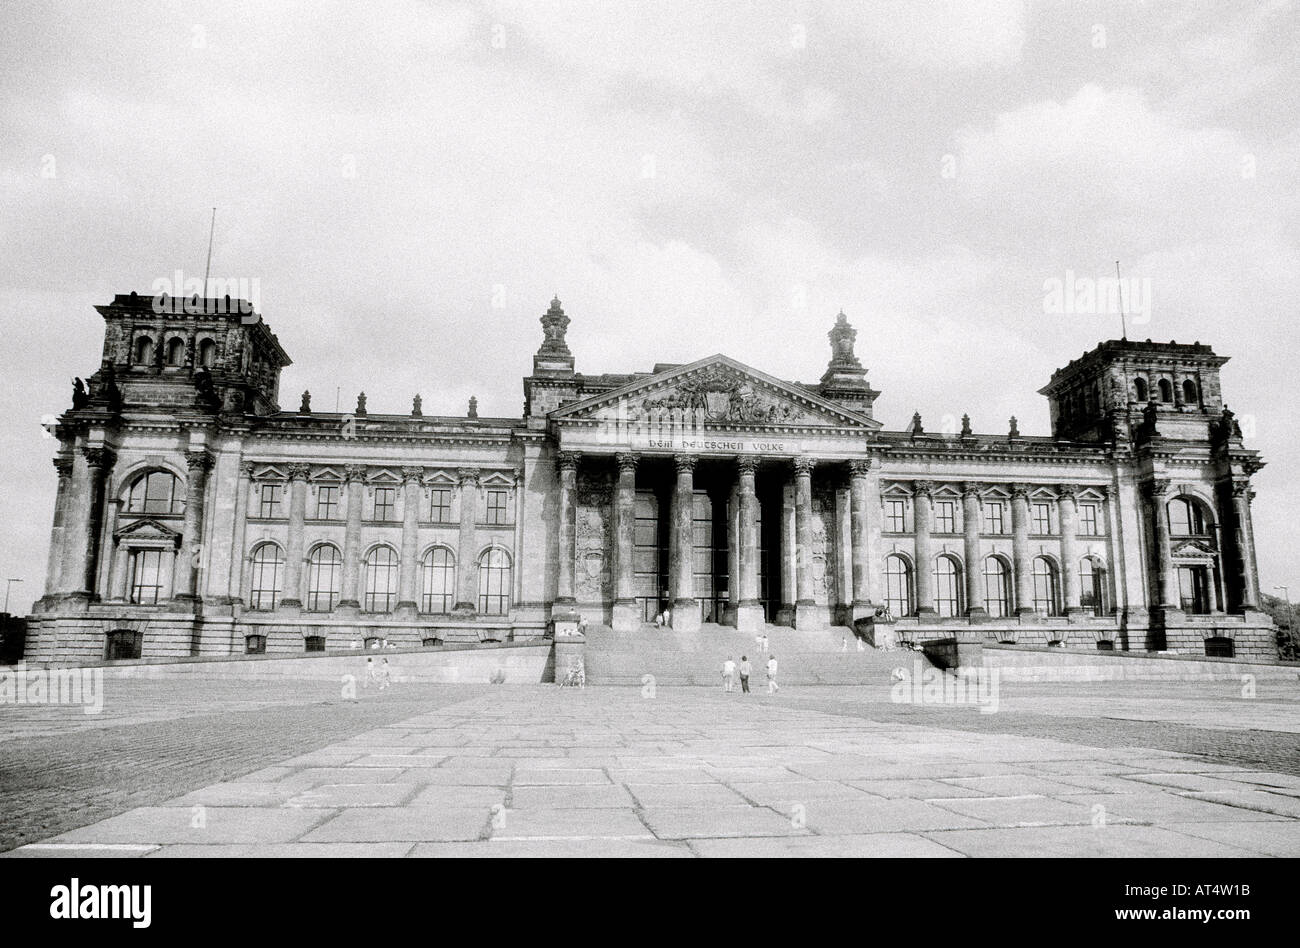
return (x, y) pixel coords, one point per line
(695, 658)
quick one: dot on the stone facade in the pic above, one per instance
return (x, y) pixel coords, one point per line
(195, 516)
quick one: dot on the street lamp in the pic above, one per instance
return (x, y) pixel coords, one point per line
(9, 584)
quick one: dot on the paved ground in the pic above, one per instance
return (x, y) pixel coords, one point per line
(236, 768)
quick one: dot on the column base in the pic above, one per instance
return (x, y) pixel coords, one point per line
(289, 607)
(686, 615)
(977, 614)
(348, 609)
(861, 609)
(464, 610)
(749, 617)
(728, 614)
(785, 615)
(406, 611)
(626, 616)
(808, 615)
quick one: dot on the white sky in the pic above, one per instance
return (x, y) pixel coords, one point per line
(689, 177)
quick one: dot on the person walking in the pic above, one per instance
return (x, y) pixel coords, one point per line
(765, 646)
(385, 675)
(370, 673)
(745, 669)
(729, 675)
(772, 686)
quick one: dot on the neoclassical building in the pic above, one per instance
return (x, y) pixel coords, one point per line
(196, 516)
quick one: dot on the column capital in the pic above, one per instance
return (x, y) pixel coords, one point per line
(1156, 488)
(299, 472)
(803, 465)
(354, 472)
(684, 463)
(746, 464)
(1241, 488)
(412, 475)
(63, 466)
(1066, 492)
(467, 476)
(246, 470)
(971, 489)
(922, 488)
(626, 462)
(1019, 491)
(199, 461)
(567, 460)
(99, 457)
(860, 467)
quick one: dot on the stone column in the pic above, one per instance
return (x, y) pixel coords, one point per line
(294, 555)
(191, 553)
(626, 614)
(789, 573)
(412, 485)
(749, 610)
(681, 552)
(1243, 542)
(565, 531)
(85, 504)
(1069, 516)
(53, 568)
(970, 514)
(733, 556)
(1021, 566)
(354, 479)
(1166, 581)
(467, 546)
(239, 561)
(860, 528)
(806, 613)
(922, 514)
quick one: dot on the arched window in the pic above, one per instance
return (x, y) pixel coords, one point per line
(1189, 392)
(1092, 590)
(268, 577)
(494, 582)
(143, 351)
(1166, 390)
(947, 586)
(324, 570)
(437, 581)
(898, 585)
(122, 644)
(175, 351)
(1045, 591)
(207, 353)
(997, 587)
(158, 492)
(380, 580)
(1186, 518)
(1140, 389)
(148, 576)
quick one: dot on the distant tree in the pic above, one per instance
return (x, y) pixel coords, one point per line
(1287, 617)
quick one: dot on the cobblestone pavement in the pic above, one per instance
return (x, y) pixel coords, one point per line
(535, 770)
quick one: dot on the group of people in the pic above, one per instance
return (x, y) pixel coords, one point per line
(730, 669)
(381, 675)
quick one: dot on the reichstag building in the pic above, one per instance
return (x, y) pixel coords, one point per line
(198, 515)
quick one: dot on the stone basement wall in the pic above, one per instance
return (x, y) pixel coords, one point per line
(1251, 641)
(1027, 664)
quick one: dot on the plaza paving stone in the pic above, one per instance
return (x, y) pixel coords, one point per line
(290, 769)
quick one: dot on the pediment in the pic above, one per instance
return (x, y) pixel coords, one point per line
(147, 530)
(1192, 549)
(717, 391)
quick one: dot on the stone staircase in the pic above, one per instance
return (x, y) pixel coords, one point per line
(805, 657)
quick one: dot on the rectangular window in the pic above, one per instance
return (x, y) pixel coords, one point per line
(440, 505)
(327, 503)
(496, 507)
(1044, 523)
(385, 503)
(896, 516)
(147, 576)
(1194, 589)
(269, 505)
(945, 517)
(993, 522)
(1088, 522)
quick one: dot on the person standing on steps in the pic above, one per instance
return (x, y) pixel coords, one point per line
(745, 669)
(729, 675)
(772, 686)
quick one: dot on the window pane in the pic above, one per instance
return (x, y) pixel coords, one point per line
(324, 571)
(327, 502)
(996, 588)
(146, 576)
(898, 586)
(993, 517)
(440, 505)
(438, 577)
(268, 571)
(381, 580)
(494, 583)
(946, 587)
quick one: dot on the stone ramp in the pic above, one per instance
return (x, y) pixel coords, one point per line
(695, 658)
